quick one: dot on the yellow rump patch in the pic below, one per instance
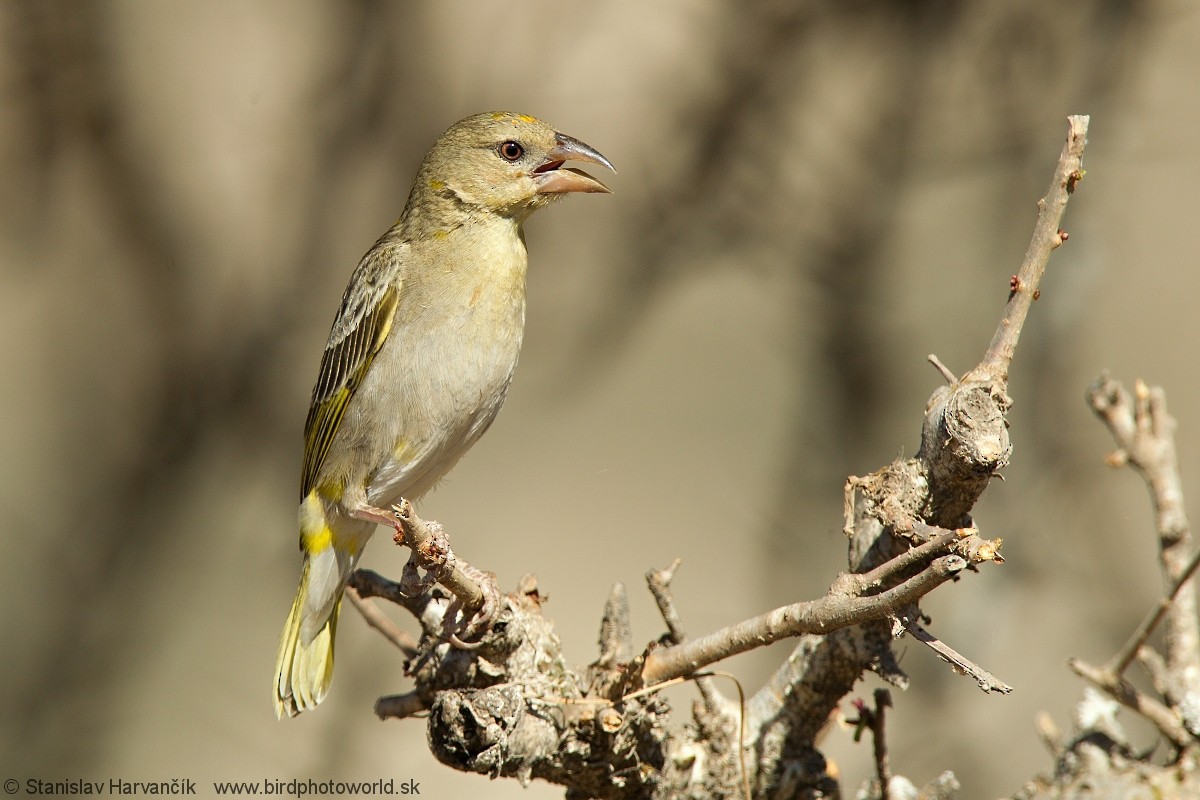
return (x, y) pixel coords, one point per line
(317, 542)
(315, 533)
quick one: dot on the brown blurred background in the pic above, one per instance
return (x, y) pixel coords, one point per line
(811, 198)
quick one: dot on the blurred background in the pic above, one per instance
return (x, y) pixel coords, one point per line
(811, 198)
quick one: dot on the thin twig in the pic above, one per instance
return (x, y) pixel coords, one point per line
(986, 680)
(1121, 690)
(1125, 656)
(843, 605)
(400, 706)
(1047, 236)
(368, 583)
(1144, 433)
(1156, 669)
(950, 377)
(875, 720)
(937, 541)
(883, 700)
(382, 623)
(859, 582)
(833, 611)
(1049, 733)
(659, 582)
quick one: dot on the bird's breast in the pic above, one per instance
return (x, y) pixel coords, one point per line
(444, 372)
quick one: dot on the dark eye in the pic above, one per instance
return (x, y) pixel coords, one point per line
(511, 151)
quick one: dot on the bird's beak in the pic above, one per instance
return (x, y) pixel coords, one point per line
(552, 178)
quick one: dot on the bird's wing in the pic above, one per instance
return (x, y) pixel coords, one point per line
(363, 323)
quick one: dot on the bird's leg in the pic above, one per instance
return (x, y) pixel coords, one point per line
(433, 557)
(379, 516)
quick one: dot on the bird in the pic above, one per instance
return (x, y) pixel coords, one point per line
(418, 360)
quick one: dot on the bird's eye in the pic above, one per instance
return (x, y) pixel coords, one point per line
(511, 151)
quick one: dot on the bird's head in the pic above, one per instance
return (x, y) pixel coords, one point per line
(509, 164)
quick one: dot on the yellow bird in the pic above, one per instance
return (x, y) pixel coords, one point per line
(419, 359)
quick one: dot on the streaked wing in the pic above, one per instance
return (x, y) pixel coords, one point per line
(344, 364)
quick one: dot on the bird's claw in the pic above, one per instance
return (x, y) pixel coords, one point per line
(434, 556)
(466, 637)
(412, 582)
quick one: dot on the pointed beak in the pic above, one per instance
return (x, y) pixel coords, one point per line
(552, 178)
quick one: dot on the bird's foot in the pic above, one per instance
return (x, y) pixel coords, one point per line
(474, 591)
(466, 637)
(469, 631)
(432, 554)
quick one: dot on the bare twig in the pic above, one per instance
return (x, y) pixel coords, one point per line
(912, 558)
(1122, 659)
(1049, 733)
(659, 582)
(963, 542)
(833, 611)
(1165, 719)
(961, 664)
(1047, 236)
(883, 700)
(1144, 433)
(875, 721)
(380, 622)
(964, 444)
(368, 583)
(950, 377)
(400, 706)
(1156, 669)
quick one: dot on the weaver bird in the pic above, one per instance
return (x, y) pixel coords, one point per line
(419, 359)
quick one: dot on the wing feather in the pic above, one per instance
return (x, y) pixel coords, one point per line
(344, 364)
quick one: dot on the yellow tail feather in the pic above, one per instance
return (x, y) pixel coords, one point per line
(304, 670)
(304, 667)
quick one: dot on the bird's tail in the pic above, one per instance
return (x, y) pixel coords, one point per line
(304, 665)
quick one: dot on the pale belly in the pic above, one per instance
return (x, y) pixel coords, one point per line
(415, 467)
(442, 397)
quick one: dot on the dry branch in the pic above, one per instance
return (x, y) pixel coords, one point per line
(1099, 754)
(1024, 287)
(511, 706)
(1144, 433)
(960, 663)
(842, 606)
